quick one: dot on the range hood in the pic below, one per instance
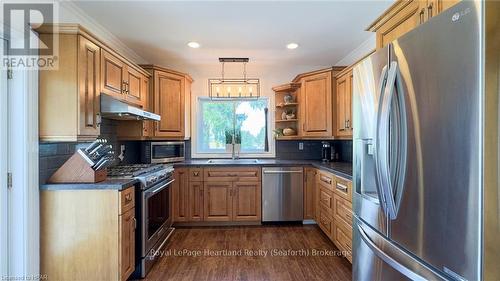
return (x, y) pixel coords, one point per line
(112, 108)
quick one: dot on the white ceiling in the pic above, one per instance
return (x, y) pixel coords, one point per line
(158, 31)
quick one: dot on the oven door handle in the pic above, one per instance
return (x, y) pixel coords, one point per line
(163, 186)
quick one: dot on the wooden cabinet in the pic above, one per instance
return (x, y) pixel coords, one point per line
(180, 193)
(334, 210)
(195, 201)
(217, 194)
(343, 96)
(309, 193)
(316, 105)
(71, 91)
(171, 93)
(86, 68)
(218, 204)
(404, 16)
(88, 87)
(127, 243)
(246, 201)
(112, 75)
(122, 81)
(98, 237)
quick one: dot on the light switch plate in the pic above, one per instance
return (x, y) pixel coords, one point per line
(301, 146)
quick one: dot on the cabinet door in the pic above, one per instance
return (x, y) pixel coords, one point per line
(195, 202)
(180, 189)
(134, 88)
(112, 75)
(88, 88)
(246, 201)
(341, 122)
(403, 21)
(127, 244)
(169, 104)
(309, 190)
(316, 96)
(218, 201)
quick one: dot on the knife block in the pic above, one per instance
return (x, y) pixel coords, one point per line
(77, 170)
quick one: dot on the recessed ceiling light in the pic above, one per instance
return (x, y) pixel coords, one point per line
(194, 45)
(292, 46)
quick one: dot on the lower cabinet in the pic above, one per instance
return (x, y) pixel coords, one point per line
(333, 202)
(218, 201)
(217, 194)
(89, 233)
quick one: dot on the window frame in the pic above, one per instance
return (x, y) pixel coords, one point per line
(198, 122)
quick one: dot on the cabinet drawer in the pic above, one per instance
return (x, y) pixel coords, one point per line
(342, 209)
(343, 188)
(127, 199)
(326, 179)
(343, 237)
(325, 221)
(326, 199)
(196, 174)
(232, 174)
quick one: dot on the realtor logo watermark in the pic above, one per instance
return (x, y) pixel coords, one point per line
(26, 49)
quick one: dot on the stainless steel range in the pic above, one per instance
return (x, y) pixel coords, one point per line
(153, 210)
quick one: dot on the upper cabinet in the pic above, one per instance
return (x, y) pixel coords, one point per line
(313, 104)
(121, 80)
(87, 68)
(171, 100)
(316, 98)
(405, 15)
(343, 128)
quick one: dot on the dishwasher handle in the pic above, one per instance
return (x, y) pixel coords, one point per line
(283, 172)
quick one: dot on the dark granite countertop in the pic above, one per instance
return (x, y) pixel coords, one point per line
(111, 184)
(342, 169)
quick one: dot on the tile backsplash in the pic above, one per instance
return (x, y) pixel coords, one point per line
(289, 149)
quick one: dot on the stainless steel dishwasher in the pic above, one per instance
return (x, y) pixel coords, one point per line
(282, 194)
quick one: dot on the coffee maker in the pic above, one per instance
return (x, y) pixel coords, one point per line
(326, 151)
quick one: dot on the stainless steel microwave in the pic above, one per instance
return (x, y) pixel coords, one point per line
(162, 151)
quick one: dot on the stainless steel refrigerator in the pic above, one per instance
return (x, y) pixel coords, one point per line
(426, 150)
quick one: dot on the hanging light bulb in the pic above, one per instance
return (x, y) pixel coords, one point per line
(239, 90)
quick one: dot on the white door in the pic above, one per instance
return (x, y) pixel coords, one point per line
(3, 163)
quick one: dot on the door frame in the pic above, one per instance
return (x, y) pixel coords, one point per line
(4, 210)
(22, 231)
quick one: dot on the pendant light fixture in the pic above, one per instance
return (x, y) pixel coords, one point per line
(240, 88)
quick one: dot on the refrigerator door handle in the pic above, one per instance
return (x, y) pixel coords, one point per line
(382, 147)
(395, 257)
(380, 187)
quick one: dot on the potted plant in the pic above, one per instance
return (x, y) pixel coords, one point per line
(229, 141)
(237, 142)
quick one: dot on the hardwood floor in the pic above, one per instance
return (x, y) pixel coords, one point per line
(222, 253)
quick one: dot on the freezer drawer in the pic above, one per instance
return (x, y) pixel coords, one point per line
(378, 259)
(282, 194)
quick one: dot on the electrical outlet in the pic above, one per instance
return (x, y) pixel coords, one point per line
(301, 146)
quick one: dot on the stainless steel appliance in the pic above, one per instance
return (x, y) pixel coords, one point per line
(426, 149)
(162, 151)
(112, 108)
(326, 151)
(153, 210)
(282, 194)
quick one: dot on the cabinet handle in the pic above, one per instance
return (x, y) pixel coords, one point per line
(429, 10)
(135, 223)
(128, 198)
(196, 174)
(325, 179)
(421, 15)
(341, 187)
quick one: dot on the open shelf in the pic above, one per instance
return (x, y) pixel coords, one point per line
(290, 104)
(289, 120)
